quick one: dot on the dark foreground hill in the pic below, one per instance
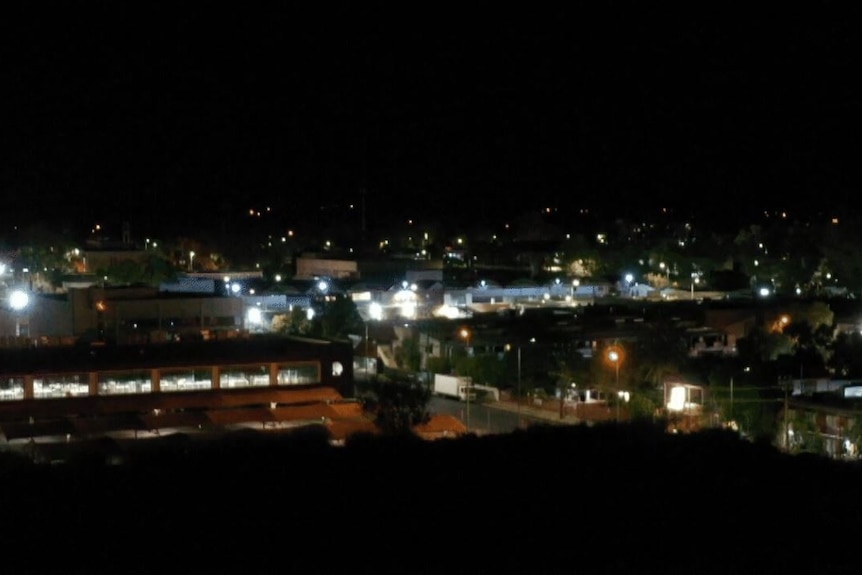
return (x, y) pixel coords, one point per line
(545, 500)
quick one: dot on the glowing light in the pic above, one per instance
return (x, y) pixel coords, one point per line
(19, 299)
(254, 316)
(448, 311)
(677, 399)
(406, 300)
(375, 311)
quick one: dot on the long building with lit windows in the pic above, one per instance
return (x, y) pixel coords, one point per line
(82, 391)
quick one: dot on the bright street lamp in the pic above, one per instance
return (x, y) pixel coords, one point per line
(191, 261)
(518, 388)
(18, 301)
(465, 333)
(615, 356)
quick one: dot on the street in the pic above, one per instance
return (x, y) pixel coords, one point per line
(497, 417)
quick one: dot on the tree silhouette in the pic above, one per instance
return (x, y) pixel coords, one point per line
(398, 402)
(338, 319)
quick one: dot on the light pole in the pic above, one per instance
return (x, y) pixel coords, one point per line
(694, 280)
(575, 283)
(615, 357)
(191, 260)
(518, 385)
(18, 301)
(465, 333)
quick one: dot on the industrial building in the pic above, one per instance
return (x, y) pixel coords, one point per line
(73, 392)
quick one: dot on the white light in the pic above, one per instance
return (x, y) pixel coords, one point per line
(406, 301)
(677, 399)
(375, 311)
(254, 316)
(408, 310)
(235, 287)
(448, 311)
(19, 299)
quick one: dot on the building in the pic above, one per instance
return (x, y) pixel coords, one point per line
(123, 315)
(77, 391)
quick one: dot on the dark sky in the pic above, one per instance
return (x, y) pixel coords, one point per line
(110, 112)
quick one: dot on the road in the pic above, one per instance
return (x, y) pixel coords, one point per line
(499, 417)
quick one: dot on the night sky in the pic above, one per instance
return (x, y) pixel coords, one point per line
(165, 116)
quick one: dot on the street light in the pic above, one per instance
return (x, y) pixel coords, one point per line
(191, 261)
(694, 279)
(518, 389)
(615, 356)
(575, 283)
(519, 386)
(465, 333)
(18, 301)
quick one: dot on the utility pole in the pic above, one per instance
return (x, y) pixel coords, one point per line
(467, 422)
(562, 394)
(518, 398)
(786, 426)
(731, 398)
(366, 349)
